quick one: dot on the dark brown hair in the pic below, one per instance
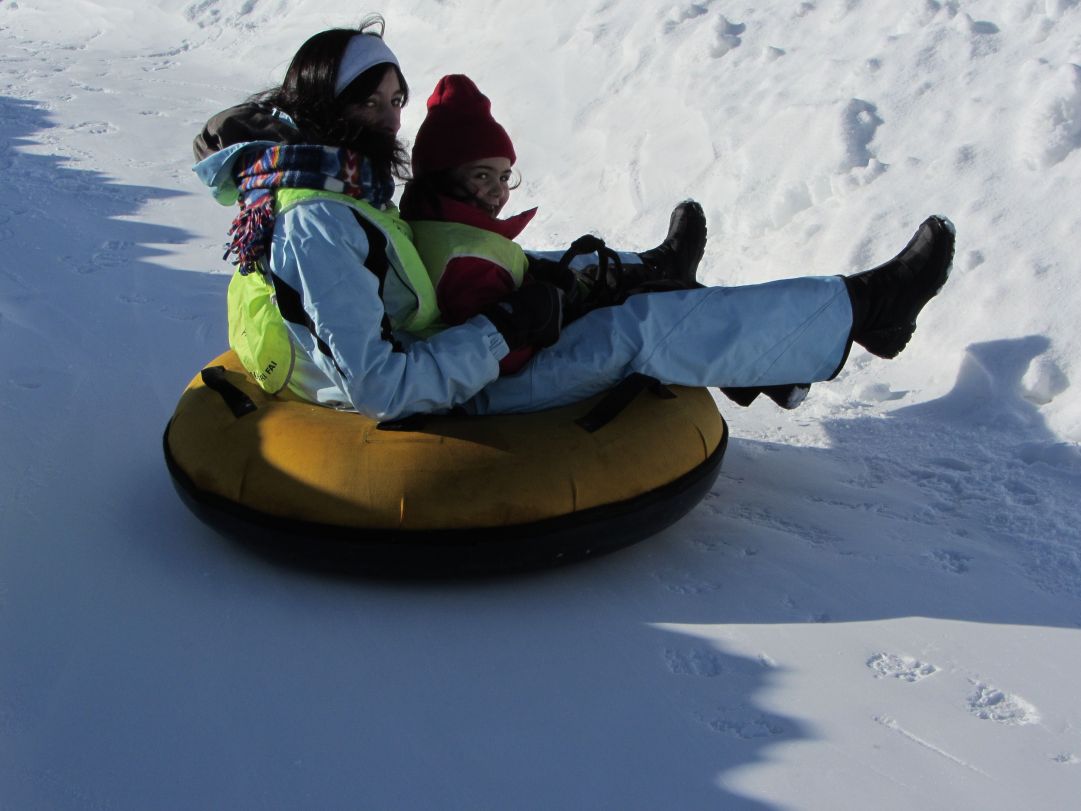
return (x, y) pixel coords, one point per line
(307, 95)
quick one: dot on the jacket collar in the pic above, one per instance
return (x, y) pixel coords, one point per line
(451, 210)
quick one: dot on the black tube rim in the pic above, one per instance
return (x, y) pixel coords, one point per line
(451, 552)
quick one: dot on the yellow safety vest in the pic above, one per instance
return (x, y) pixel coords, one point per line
(440, 242)
(258, 333)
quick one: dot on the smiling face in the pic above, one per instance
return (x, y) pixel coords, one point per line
(382, 108)
(485, 182)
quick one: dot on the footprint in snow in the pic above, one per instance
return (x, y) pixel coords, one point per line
(992, 704)
(979, 31)
(710, 544)
(1051, 128)
(746, 724)
(701, 662)
(110, 254)
(727, 35)
(951, 562)
(156, 66)
(94, 127)
(681, 14)
(905, 668)
(859, 123)
(683, 583)
(973, 259)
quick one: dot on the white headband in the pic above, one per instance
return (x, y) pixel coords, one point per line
(363, 51)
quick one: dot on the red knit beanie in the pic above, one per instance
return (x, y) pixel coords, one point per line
(458, 129)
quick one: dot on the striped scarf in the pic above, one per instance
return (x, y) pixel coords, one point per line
(295, 166)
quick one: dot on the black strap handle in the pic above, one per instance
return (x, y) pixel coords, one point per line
(412, 423)
(609, 276)
(238, 402)
(619, 397)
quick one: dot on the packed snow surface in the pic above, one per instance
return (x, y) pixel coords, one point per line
(877, 606)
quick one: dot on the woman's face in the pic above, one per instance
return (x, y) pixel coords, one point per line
(487, 182)
(382, 110)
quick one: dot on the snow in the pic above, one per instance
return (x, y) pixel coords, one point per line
(879, 603)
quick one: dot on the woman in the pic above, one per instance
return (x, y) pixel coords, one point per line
(332, 299)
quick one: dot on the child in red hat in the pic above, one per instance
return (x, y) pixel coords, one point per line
(462, 179)
(462, 161)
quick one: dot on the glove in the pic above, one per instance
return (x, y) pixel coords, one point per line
(530, 316)
(557, 273)
(576, 286)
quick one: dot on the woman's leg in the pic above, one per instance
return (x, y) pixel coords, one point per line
(757, 335)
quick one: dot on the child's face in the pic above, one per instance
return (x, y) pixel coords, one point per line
(486, 182)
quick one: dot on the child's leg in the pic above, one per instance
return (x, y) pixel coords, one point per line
(758, 335)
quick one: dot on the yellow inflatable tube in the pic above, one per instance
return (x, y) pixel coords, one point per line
(438, 493)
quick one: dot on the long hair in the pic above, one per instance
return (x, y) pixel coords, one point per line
(421, 195)
(307, 95)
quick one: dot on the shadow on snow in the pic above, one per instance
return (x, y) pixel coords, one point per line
(207, 672)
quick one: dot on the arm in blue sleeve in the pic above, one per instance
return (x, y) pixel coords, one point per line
(338, 318)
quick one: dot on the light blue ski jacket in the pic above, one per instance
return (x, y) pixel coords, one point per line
(346, 358)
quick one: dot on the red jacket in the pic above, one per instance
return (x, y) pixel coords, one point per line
(471, 283)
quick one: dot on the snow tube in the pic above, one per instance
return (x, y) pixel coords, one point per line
(439, 494)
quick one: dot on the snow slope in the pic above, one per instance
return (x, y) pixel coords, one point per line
(879, 602)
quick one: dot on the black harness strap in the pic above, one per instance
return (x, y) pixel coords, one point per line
(379, 265)
(239, 403)
(291, 307)
(619, 397)
(412, 423)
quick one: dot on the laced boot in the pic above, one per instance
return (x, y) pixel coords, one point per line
(887, 299)
(672, 265)
(676, 259)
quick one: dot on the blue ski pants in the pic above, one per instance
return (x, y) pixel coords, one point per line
(788, 331)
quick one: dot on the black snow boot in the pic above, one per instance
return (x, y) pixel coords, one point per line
(887, 299)
(676, 259)
(672, 265)
(787, 397)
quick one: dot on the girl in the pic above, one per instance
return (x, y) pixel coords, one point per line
(334, 302)
(462, 164)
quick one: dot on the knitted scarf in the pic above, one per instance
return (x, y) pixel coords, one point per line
(295, 166)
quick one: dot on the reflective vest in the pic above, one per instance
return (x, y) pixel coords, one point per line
(258, 333)
(440, 242)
